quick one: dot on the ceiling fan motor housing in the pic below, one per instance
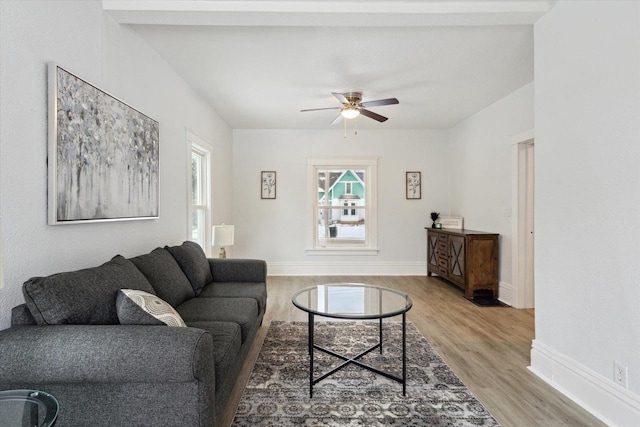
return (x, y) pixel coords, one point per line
(354, 98)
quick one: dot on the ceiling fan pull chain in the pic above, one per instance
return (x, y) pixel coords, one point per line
(355, 126)
(345, 129)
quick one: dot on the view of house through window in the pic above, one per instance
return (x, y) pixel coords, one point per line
(341, 206)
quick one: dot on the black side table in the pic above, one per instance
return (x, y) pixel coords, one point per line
(33, 408)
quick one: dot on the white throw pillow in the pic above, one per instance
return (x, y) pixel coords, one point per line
(136, 307)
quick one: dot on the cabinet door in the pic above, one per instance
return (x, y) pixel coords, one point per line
(432, 251)
(456, 259)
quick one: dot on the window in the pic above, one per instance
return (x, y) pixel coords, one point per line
(200, 201)
(342, 201)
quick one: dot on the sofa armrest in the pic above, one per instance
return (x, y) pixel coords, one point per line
(105, 354)
(238, 270)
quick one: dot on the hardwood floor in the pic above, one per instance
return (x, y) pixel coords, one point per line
(487, 347)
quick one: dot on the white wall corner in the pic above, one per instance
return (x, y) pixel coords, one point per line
(506, 293)
(347, 268)
(595, 393)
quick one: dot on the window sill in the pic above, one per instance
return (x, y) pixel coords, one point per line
(342, 251)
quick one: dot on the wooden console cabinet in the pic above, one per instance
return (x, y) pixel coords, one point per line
(466, 258)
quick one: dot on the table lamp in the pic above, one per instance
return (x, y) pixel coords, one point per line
(222, 236)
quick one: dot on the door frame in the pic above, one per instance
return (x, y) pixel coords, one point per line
(521, 264)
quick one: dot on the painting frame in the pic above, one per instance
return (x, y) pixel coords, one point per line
(413, 185)
(268, 185)
(103, 155)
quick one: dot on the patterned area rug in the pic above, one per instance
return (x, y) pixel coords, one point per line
(277, 393)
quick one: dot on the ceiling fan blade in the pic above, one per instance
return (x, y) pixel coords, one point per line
(340, 97)
(337, 120)
(379, 102)
(318, 109)
(372, 115)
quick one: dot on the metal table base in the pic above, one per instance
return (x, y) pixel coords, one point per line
(354, 360)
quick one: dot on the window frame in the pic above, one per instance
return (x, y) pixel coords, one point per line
(201, 148)
(370, 245)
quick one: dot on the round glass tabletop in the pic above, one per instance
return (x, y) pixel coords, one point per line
(352, 301)
(27, 408)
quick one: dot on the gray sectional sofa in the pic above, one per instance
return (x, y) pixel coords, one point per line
(69, 339)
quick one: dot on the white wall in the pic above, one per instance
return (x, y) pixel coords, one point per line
(278, 230)
(78, 36)
(480, 159)
(587, 107)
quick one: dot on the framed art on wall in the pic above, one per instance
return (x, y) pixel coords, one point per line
(103, 162)
(414, 185)
(268, 185)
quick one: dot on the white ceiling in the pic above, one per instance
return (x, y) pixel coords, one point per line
(258, 68)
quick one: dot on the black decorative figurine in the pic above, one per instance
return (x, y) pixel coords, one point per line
(434, 217)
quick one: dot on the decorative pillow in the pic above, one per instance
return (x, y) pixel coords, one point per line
(194, 263)
(141, 308)
(82, 297)
(165, 275)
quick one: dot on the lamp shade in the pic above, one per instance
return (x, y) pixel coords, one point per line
(223, 235)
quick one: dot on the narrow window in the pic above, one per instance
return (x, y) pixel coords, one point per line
(348, 187)
(200, 200)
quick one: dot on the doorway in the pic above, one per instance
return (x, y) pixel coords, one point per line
(523, 221)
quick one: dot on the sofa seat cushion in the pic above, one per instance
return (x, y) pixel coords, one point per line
(141, 308)
(83, 297)
(194, 264)
(165, 275)
(243, 311)
(227, 340)
(257, 291)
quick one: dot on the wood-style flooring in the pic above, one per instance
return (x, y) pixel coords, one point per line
(487, 347)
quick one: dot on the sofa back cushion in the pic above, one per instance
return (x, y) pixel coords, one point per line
(193, 262)
(83, 297)
(165, 275)
(21, 316)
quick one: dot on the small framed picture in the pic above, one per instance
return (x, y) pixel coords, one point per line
(268, 185)
(414, 185)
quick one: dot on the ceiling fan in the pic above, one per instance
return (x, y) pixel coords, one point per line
(352, 106)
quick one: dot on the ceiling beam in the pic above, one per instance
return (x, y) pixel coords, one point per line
(326, 13)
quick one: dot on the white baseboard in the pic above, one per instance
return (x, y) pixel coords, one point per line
(612, 404)
(506, 293)
(347, 268)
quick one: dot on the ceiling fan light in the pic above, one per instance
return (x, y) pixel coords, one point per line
(350, 112)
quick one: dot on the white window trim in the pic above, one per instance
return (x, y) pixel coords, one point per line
(194, 143)
(369, 163)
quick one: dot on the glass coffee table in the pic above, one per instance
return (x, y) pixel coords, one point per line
(27, 408)
(357, 302)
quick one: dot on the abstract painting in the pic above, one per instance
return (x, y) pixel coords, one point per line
(103, 155)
